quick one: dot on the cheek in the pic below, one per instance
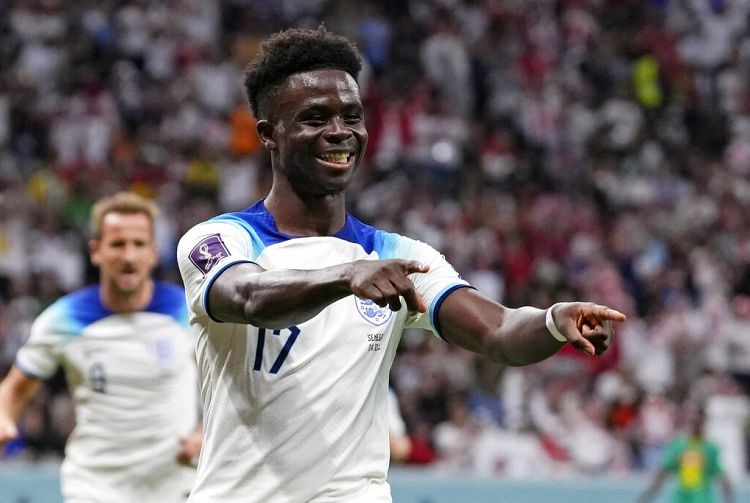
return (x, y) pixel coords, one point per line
(363, 137)
(151, 258)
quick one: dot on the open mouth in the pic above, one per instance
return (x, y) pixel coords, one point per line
(337, 158)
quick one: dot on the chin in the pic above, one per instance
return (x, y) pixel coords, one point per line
(340, 183)
(129, 287)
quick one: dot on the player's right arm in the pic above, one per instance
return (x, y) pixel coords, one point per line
(15, 392)
(218, 264)
(247, 293)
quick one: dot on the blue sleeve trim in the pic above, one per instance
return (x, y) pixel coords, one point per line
(218, 273)
(437, 302)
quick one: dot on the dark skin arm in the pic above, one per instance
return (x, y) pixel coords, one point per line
(519, 336)
(247, 293)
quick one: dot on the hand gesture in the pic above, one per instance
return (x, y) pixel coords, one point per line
(190, 448)
(586, 325)
(384, 281)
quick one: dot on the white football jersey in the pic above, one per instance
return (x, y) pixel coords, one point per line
(133, 381)
(298, 414)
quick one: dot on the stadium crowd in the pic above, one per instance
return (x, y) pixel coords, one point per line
(551, 149)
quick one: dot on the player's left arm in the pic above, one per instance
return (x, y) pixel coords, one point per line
(520, 336)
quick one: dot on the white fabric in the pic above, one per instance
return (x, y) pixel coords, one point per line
(133, 382)
(316, 428)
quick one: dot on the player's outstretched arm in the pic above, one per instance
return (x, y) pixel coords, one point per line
(247, 293)
(15, 392)
(520, 336)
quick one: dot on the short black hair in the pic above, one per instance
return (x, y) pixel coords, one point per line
(293, 51)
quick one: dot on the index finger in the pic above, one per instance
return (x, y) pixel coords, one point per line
(606, 313)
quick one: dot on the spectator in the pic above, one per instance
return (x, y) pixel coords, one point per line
(696, 463)
(552, 97)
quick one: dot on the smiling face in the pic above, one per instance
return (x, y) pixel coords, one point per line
(316, 133)
(125, 253)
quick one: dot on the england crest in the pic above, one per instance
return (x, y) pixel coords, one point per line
(372, 312)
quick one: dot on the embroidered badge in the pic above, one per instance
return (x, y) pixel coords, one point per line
(208, 252)
(164, 351)
(372, 312)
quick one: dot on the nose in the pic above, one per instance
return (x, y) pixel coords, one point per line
(337, 130)
(130, 252)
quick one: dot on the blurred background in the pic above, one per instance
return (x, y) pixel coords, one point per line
(551, 149)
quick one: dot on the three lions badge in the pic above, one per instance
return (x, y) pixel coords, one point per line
(372, 312)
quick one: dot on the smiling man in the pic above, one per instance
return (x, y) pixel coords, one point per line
(128, 357)
(299, 306)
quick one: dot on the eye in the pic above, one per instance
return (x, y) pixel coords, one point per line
(313, 119)
(353, 118)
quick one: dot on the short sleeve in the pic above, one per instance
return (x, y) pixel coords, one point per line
(205, 251)
(40, 356)
(434, 286)
(670, 461)
(714, 467)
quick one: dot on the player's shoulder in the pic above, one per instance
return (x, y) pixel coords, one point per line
(168, 292)
(253, 216)
(73, 311)
(678, 443)
(713, 447)
(387, 244)
(86, 299)
(169, 299)
(254, 222)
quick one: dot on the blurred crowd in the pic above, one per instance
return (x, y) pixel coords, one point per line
(551, 149)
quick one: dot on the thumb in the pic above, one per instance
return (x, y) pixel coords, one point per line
(581, 343)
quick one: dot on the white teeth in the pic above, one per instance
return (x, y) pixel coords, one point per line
(337, 157)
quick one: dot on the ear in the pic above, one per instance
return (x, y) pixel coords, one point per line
(94, 252)
(266, 134)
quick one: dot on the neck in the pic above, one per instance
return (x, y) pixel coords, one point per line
(118, 301)
(309, 215)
